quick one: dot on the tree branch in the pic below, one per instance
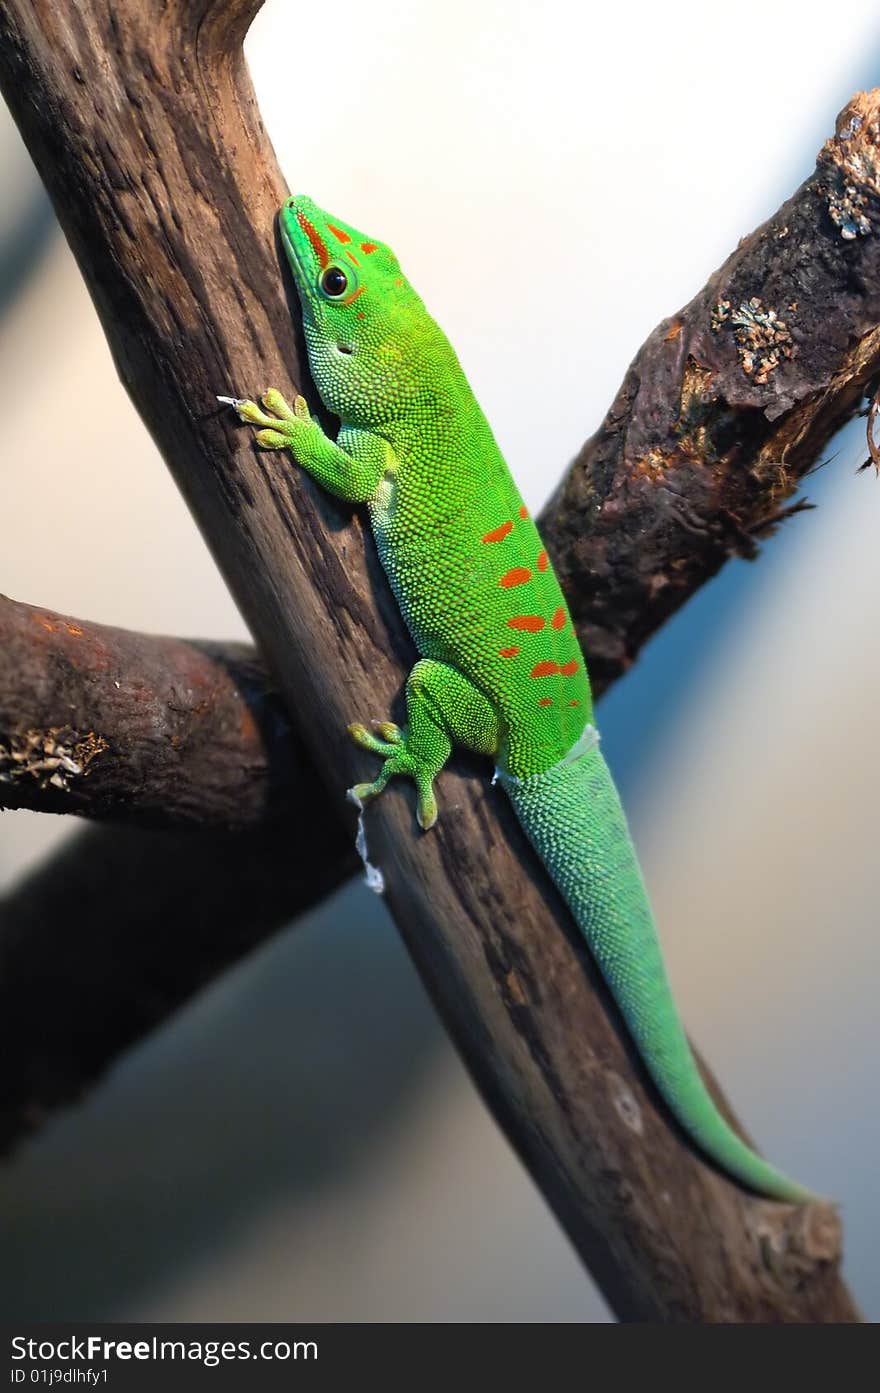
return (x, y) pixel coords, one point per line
(726, 406)
(170, 212)
(154, 731)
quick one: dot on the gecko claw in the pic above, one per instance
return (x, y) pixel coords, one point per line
(367, 741)
(426, 812)
(387, 730)
(271, 440)
(251, 413)
(361, 793)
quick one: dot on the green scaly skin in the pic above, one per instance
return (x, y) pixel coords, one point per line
(501, 670)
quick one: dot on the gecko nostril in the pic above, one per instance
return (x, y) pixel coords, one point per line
(345, 348)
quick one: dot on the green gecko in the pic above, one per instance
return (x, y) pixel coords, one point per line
(501, 670)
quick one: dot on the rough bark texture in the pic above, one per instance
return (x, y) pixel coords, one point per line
(158, 731)
(143, 124)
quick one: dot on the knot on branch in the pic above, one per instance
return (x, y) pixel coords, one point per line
(799, 1244)
(849, 168)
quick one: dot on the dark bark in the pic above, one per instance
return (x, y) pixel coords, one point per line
(190, 307)
(155, 731)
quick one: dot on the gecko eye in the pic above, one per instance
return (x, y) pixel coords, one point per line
(334, 282)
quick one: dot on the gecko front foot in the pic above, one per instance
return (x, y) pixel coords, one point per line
(398, 758)
(282, 424)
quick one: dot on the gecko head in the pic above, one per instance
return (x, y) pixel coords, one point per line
(371, 342)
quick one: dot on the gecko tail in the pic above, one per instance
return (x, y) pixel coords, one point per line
(573, 817)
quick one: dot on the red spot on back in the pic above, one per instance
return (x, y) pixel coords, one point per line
(499, 533)
(530, 623)
(542, 562)
(558, 620)
(546, 701)
(574, 703)
(361, 315)
(548, 668)
(518, 576)
(523, 512)
(508, 652)
(369, 247)
(338, 233)
(317, 241)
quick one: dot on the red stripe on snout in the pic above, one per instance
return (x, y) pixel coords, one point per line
(318, 245)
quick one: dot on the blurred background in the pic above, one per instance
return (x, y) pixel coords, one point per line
(291, 1146)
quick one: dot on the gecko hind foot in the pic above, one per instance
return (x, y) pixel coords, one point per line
(398, 759)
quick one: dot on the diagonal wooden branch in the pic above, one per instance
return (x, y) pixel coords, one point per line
(169, 212)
